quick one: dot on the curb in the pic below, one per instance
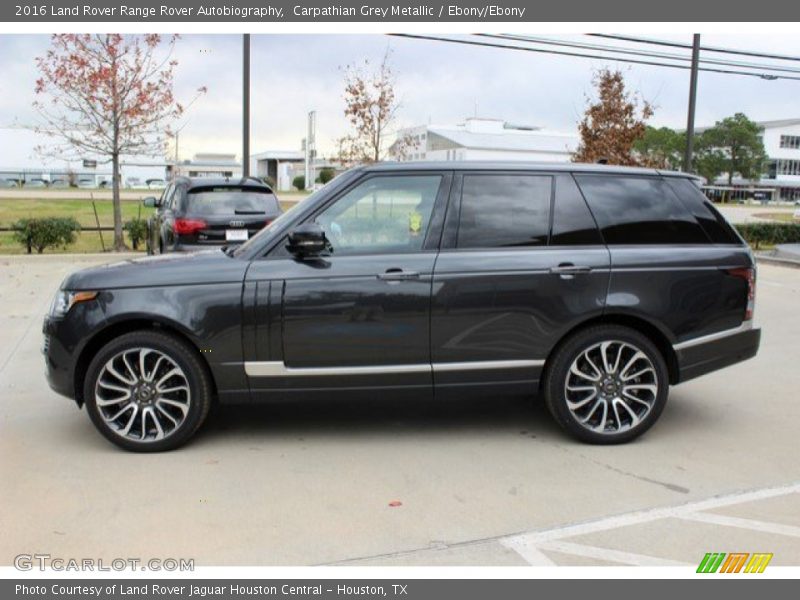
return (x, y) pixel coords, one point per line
(780, 262)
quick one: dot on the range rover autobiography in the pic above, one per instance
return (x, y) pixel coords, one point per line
(591, 286)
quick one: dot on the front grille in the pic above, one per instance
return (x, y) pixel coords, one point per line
(46, 344)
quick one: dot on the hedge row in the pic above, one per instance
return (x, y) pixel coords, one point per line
(769, 233)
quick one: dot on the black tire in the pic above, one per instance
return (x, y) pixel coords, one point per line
(177, 353)
(622, 426)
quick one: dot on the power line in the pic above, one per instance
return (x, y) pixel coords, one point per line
(638, 40)
(469, 42)
(636, 52)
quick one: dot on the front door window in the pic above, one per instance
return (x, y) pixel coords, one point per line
(385, 214)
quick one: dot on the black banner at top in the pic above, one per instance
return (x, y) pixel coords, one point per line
(521, 11)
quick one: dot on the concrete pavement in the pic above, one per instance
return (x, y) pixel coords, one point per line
(483, 482)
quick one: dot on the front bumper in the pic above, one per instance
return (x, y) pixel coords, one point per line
(58, 360)
(696, 359)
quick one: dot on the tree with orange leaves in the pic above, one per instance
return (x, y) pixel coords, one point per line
(107, 95)
(613, 123)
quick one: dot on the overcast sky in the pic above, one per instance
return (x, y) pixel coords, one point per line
(436, 82)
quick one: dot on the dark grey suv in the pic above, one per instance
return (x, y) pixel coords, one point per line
(595, 287)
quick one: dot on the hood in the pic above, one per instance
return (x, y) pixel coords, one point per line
(208, 266)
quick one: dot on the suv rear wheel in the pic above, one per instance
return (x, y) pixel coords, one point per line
(606, 384)
(147, 391)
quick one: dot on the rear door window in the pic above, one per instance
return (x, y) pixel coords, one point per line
(504, 211)
(639, 210)
(573, 224)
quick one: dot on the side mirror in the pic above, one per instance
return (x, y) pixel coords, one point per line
(150, 202)
(308, 239)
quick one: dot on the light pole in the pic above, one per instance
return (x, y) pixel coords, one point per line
(246, 105)
(687, 158)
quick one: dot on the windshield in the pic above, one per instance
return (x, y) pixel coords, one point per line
(227, 201)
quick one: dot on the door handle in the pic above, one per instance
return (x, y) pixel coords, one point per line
(568, 269)
(398, 275)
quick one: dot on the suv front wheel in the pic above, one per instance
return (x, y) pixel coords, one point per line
(147, 391)
(606, 384)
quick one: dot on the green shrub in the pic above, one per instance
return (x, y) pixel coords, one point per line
(299, 182)
(769, 233)
(325, 175)
(137, 231)
(46, 232)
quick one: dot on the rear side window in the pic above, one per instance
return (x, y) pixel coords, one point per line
(501, 211)
(713, 223)
(573, 224)
(639, 210)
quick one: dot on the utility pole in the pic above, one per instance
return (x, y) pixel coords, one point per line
(687, 158)
(310, 148)
(246, 105)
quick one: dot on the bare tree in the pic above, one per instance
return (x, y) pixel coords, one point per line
(107, 95)
(613, 123)
(371, 108)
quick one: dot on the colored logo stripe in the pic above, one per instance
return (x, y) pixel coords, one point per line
(735, 561)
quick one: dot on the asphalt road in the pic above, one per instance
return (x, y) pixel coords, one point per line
(490, 482)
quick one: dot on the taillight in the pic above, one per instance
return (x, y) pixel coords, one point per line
(268, 221)
(749, 275)
(188, 226)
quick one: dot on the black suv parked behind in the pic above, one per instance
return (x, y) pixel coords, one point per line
(195, 213)
(596, 287)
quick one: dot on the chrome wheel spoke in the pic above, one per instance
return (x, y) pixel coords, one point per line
(604, 355)
(128, 367)
(119, 376)
(169, 375)
(177, 388)
(583, 402)
(650, 387)
(154, 370)
(637, 356)
(632, 414)
(112, 401)
(143, 394)
(629, 396)
(641, 373)
(120, 413)
(578, 373)
(114, 388)
(184, 408)
(131, 419)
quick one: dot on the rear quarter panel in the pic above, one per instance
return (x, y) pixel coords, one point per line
(683, 288)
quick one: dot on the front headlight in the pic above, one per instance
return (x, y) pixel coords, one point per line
(65, 300)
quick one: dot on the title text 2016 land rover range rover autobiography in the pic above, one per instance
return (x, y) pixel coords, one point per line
(593, 287)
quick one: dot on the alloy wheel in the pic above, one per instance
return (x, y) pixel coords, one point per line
(611, 387)
(142, 394)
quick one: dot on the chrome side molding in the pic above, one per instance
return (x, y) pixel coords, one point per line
(277, 368)
(713, 337)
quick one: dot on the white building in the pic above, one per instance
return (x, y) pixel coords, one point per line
(205, 165)
(782, 144)
(781, 178)
(279, 165)
(486, 139)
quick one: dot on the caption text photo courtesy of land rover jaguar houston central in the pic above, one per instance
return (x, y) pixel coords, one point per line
(592, 287)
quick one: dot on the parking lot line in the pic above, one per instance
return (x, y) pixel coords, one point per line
(607, 554)
(752, 524)
(530, 545)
